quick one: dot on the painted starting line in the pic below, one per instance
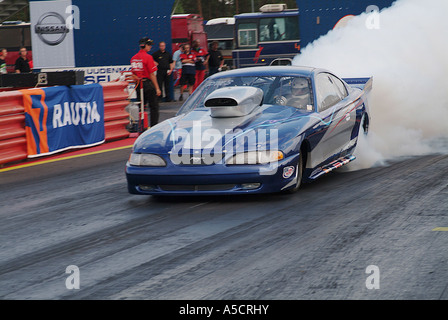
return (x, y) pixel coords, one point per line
(107, 147)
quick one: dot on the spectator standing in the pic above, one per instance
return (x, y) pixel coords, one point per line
(144, 69)
(177, 64)
(216, 60)
(201, 62)
(165, 66)
(22, 62)
(3, 54)
(188, 77)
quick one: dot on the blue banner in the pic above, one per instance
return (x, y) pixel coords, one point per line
(60, 118)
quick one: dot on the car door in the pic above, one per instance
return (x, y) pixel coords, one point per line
(335, 119)
(347, 119)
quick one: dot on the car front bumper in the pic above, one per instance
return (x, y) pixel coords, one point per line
(216, 179)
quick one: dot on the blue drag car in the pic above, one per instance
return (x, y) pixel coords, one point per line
(253, 130)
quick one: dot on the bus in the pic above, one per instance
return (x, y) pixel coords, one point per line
(268, 37)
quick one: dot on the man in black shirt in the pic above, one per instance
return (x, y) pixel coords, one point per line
(22, 63)
(165, 66)
(216, 60)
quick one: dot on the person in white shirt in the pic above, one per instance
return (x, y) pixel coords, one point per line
(177, 64)
(3, 54)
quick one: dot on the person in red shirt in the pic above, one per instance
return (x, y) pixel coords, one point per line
(188, 59)
(144, 69)
(201, 62)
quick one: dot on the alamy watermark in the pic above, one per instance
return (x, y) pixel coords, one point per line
(210, 146)
(373, 280)
(73, 20)
(73, 281)
(373, 20)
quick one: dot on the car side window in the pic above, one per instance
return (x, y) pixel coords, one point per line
(294, 92)
(247, 35)
(327, 93)
(341, 89)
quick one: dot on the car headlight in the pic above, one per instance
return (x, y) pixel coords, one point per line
(146, 160)
(256, 157)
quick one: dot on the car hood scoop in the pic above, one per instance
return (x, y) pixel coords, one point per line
(234, 101)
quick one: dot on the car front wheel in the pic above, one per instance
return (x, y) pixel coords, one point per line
(299, 174)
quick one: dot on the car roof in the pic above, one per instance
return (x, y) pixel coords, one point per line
(296, 71)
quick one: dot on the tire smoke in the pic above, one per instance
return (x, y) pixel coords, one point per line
(407, 55)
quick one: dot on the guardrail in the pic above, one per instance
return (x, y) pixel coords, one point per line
(115, 116)
(13, 143)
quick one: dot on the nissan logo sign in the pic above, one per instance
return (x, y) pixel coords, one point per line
(51, 28)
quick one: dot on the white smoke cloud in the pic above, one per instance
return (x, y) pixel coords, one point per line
(408, 59)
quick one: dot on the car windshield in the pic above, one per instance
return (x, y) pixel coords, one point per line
(286, 91)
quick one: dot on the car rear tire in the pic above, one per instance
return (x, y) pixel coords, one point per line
(365, 123)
